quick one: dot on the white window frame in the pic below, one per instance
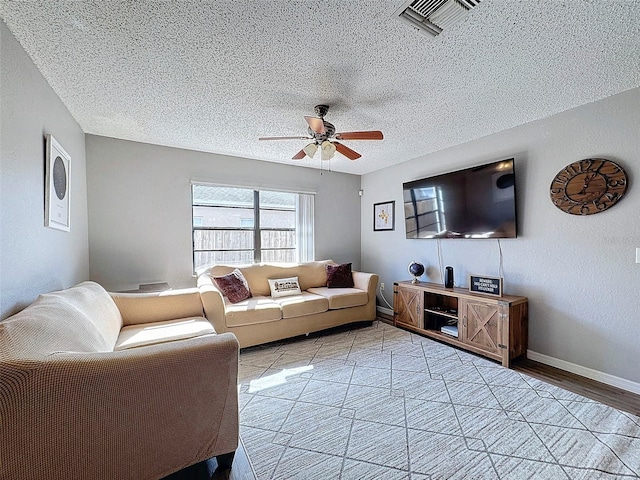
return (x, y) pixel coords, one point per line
(304, 229)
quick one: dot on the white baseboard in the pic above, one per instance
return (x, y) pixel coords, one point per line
(386, 311)
(585, 372)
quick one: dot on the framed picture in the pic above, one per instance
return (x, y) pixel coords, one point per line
(384, 216)
(57, 188)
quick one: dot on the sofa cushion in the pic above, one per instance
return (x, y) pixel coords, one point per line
(138, 308)
(94, 303)
(304, 304)
(233, 286)
(257, 309)
(313, 274)
(342, 297)
(310, 274)
(161, 332)
(80, 319)
(283, 287)
(339, 276)
(258, 276)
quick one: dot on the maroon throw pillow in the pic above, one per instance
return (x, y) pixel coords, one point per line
(339, 276)
(233, 286)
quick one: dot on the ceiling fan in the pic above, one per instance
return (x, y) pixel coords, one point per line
(323, 134)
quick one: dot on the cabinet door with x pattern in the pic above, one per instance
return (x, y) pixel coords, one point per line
(408, 306)
(482, 326)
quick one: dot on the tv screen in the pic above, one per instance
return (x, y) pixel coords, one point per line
(477, 202)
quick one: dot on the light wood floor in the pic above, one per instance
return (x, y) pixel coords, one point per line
(600, 392)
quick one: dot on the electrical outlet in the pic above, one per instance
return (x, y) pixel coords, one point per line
(382, 287)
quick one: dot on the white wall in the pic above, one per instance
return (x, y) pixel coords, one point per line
(140, 208)
(33, 258)
(579, 272)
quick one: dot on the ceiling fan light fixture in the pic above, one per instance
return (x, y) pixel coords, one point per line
(323, 135)
(328, 150)
(310, 150)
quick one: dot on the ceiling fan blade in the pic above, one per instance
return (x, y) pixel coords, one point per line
(316, 124)
(346, 151)
(369, 135)
(285, 138)
(299, 156)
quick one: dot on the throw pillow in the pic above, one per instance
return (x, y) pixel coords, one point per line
(233, 286)
(282, 287)
(339, 276)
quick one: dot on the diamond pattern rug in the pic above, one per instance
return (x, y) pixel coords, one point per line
(383, 403)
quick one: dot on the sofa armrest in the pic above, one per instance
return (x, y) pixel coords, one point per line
(141, 413)
(213, 303)
(365, 281)
(369, 283)
(137, 308)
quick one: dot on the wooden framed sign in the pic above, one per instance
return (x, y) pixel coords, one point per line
(485, 285)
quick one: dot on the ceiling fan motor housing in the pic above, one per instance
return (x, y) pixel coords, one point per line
(321, 110)
(329, 131)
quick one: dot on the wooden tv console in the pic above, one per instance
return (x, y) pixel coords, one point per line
(496, 327)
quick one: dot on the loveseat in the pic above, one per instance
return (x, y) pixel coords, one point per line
(263, 318)
(114, 386)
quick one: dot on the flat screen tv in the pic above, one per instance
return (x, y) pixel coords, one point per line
(477, 202)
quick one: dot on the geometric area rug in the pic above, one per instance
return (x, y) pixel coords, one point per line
(382, 403)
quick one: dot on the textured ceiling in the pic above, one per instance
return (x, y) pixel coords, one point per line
(216, 75)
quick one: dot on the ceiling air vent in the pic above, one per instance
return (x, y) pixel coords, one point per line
(432, 16)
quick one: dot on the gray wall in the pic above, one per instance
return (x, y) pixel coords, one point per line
(140, 204)
(579, 272)
(33, 258)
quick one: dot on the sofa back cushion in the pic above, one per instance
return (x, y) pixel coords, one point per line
(80, 319)
(311, 274)
(137, 308)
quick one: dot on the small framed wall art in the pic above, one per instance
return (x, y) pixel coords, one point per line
(57, 188)
(384, 216)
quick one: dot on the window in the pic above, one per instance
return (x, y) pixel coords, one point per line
(240, 225)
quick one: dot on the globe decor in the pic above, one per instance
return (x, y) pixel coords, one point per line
(416, 269)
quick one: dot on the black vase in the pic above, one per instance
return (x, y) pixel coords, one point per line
(448, 277)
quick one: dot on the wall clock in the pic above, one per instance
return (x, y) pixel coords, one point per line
(588, 186)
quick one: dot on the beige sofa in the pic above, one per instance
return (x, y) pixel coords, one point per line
(262, 319)
(99, 386)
